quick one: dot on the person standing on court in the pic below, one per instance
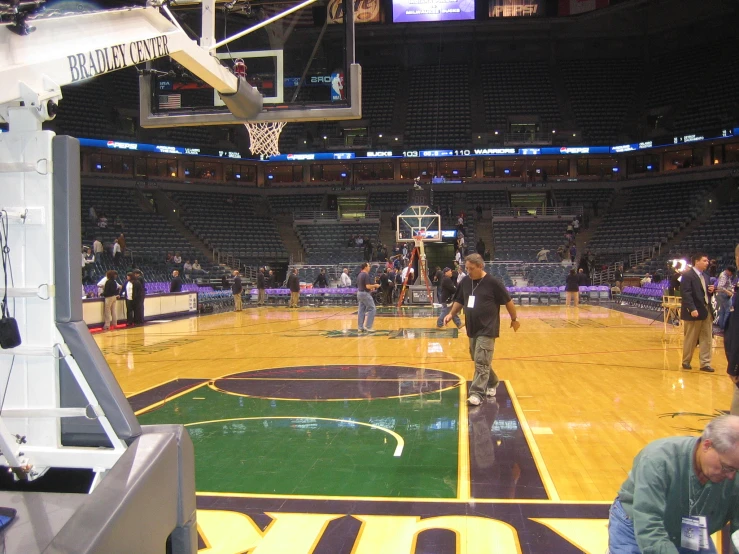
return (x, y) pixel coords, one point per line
(236, 289)
(293, 283)
(447, 290)
(695, 312)
(481, 295)
(110, 296)
(139, 296)
(364, 299)
(680, 491)
(129, 299)
(175, 285)
(731, 343)
(572, 289)
(261, 294)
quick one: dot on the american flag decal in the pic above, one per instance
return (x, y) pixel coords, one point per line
(170, 101)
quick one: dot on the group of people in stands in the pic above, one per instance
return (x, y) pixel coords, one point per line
(93, 255)
(101, 219)
(187, 268)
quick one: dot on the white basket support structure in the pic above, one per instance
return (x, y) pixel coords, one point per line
(264, 137)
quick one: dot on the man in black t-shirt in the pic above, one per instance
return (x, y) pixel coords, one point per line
(447, 291)
(321, 282)
(481, 295)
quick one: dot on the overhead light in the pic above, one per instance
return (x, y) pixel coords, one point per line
(396, 138)
(496, 132)
(325, 137)
(574, 135)
(554, 131)
(380, 135)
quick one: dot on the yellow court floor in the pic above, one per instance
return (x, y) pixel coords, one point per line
(594, 384)
(328, 441)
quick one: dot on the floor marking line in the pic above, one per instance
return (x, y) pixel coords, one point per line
(164, 401)
(464, 485)
(333, 379)
(413, 499)
(546, 478)
(398, 449)
(213, 387)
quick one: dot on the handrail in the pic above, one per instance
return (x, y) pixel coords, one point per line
(643, 254)
(331, 217)
(524, 212)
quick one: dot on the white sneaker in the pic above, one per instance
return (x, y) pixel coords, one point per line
(368, 330)
(474, 400)
(492, 390)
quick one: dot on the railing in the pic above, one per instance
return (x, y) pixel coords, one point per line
(644, 254)
(522, 212)
(227, 259)
(333, 217)
(527, 138)
(607, 275)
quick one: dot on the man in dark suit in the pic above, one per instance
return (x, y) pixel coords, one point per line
(175, 285)
(261, 285)
(695, 312)
(139, 296)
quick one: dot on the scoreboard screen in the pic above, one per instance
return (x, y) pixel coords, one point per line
(411, 11)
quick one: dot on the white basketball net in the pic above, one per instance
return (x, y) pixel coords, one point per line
(264, 137)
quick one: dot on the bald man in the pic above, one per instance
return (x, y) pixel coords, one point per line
(673, 479)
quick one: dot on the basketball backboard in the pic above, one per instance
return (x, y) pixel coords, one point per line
(302, 63)
(418, 221)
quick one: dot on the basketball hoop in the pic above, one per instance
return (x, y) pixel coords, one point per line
(264, 137)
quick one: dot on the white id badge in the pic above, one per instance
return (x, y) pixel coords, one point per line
(470, 301)
(694, 533)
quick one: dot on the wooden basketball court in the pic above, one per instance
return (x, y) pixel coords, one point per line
(312, 438)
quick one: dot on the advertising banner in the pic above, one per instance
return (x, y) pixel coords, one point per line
(365, 11)
(411, 11)
(514, 8)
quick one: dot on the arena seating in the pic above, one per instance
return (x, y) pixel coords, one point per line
(500, 271)
(85, 112)
(393, 202)
(584, 197)
(148, 235)
(523, 238)
(651, 216)
(547, 275)
(714, 103)
(520, 87)
(231, 227)
(438, 114)
(379, 87)
(287, 204)
(717, 236)
(487, 199)
(648, 297)
(601, 93)
(326, 243)
(670, 82)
